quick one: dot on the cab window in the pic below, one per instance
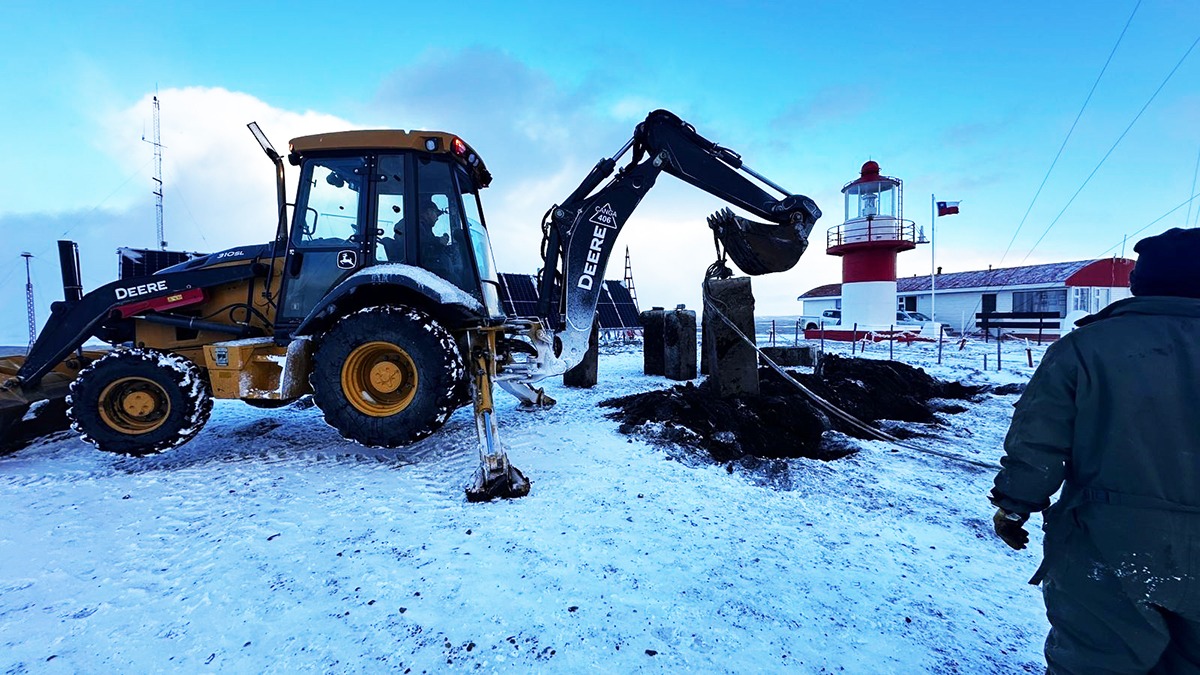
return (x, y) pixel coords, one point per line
(391, 244)
(331, 201)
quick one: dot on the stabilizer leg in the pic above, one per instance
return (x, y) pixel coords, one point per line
(495, 477)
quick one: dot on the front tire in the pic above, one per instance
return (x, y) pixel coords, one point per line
(386, 377)
(139, 402)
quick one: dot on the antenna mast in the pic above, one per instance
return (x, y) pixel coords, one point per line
(629, 280)
(158, 192)
(30, 311)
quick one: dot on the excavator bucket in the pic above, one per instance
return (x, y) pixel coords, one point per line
(758, 248)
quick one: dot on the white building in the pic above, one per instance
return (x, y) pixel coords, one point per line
(1085, 286)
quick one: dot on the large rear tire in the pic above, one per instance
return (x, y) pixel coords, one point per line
(386, 377)
(139, 402)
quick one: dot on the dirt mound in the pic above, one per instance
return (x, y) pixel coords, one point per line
(781, 421)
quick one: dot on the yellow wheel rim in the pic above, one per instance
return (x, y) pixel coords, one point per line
(134, 405)
(379, 379)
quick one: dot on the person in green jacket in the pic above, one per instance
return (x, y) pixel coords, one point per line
(1112, 416)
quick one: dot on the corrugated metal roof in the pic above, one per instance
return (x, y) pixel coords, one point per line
(826, 291)
(1027, 275)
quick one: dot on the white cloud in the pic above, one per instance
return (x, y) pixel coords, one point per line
(219, 186)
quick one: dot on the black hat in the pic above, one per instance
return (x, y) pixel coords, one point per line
(1168, 264)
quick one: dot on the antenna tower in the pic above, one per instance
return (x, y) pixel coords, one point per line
(629, 280)
(30, 311)
(158, 181)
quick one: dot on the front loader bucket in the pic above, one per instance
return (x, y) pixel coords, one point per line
(47, 399)
(498, 483)
(758, 248)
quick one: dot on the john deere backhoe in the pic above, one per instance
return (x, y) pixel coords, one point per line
(378, 296)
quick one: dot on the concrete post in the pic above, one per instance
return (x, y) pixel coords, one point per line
(652, 341)
(679, 344)
(586, 373)
(732, 362)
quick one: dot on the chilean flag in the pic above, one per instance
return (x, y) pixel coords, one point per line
(947, 208)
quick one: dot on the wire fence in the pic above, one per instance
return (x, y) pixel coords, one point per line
(995, 350)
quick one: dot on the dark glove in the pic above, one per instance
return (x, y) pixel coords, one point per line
(1009, 528)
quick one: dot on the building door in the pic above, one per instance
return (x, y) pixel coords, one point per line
(989, 303)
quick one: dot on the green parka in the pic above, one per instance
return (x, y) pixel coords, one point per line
(1112, 415)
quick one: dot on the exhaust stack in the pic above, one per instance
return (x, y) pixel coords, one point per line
(68, 260)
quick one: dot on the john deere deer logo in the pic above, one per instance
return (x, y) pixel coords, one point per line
(347, 260)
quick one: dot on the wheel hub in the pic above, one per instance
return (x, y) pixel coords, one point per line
(386, 377)
(379, 379)
(138, 404)
(134, 405)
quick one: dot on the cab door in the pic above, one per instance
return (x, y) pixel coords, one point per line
(329, 235)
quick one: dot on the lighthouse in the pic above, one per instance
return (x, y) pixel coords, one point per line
(868, 241)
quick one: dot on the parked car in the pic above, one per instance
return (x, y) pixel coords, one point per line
(830, 317)
(905, 318)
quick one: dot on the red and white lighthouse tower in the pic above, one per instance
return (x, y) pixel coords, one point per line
(873, 233)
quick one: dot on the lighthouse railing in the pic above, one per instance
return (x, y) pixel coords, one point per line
(863, 230)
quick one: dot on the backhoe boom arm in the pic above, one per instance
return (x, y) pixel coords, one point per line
(580, 233)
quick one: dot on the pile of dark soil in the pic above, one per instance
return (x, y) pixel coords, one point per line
(781, 421)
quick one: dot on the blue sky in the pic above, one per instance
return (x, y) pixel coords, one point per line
(966, 100)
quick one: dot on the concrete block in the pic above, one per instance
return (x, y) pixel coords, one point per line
(679, 344)
(733, 364)
(652, 341)
(586, 373)
(792, 356)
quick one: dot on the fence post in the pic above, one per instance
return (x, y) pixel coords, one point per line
(854, 338)
(772, 332)
(999, 335)
(822, 337)
(891, 343)
(941, 332)
(796, 336)
(985, 361)
(1041, 325)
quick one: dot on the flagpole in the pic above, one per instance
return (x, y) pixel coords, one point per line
(932, 258)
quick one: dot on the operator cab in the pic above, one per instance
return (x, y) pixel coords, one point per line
(386, 199)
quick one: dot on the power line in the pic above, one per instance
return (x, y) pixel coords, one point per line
(1186, 202)
(1114, 147)
(1069, 132)
(81, 220)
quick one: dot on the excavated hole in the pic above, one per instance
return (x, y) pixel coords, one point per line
(781, 422)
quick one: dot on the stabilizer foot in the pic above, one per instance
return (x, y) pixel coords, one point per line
(507, 483)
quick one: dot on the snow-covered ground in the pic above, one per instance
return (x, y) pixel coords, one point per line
(269, 544)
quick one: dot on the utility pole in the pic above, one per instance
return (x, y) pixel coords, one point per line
(629, 281)
(30, 310)
(158, 179)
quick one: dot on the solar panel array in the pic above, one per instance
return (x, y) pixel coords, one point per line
(519, 296)
(140, 262)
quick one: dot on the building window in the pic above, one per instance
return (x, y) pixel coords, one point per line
(1081, 300)
(1054, 300)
